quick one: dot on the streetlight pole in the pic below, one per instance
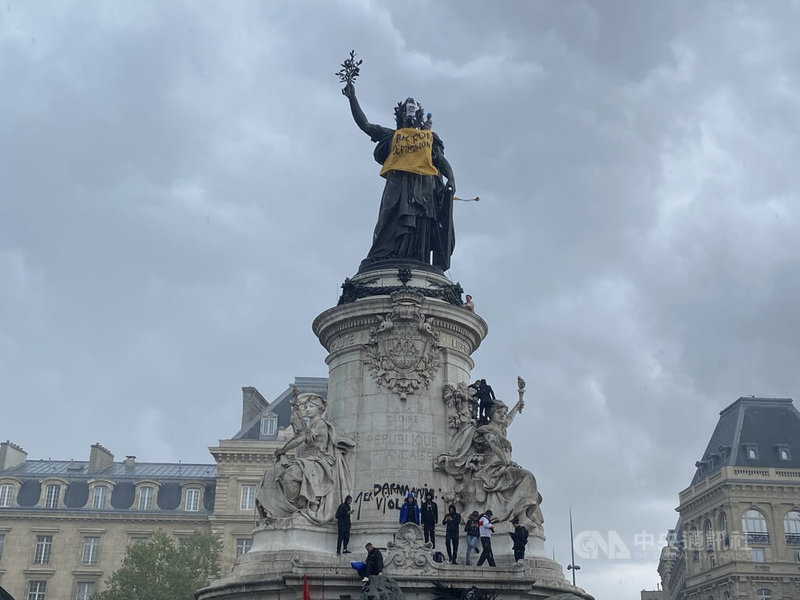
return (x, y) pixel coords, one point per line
(572, 567)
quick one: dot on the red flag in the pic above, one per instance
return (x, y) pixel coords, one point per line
(306, 591)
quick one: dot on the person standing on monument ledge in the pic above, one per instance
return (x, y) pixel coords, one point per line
(452, 520)
(486, 529)
(520, 539)
(415, 218)
(343, 525)
(472, 531)
(409, 512)
(430, 517)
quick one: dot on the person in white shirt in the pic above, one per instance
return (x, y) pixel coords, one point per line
(485, 529)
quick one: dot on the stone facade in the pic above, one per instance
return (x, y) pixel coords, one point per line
(85, 534)
(65, 526)
(738, 535)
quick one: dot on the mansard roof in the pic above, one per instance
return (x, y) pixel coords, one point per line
(753, 432)
(76, 469)
(33, 475)
(281, 407)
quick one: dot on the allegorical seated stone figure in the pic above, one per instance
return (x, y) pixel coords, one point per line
(313, 482)
(479, 457)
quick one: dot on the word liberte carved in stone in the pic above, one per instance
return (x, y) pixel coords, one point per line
(403, 349)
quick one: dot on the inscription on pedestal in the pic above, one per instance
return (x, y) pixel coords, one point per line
(384, 497)
(343, 342)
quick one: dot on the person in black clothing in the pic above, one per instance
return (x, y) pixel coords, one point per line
(486, 399)
(343, 522)
(373, 565)
(485, 395)
(430, 517)
(452, 520)
(520, 538)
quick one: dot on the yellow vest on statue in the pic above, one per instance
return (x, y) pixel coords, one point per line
(411, 152)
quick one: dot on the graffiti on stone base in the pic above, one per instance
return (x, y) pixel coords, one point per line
(385, 497)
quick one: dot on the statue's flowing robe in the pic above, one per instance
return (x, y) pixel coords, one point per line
(480, 456)
(415, 218)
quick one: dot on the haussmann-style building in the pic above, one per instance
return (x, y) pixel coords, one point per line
(65, 525)
(738, 533)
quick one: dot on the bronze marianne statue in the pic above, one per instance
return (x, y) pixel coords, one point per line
(415, 220)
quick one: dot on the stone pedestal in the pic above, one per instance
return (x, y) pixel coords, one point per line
(397, 337)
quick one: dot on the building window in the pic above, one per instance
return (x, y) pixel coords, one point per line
(708, 536)
(757, 555)
(784, 453)
(85, 590)
(52, 494)
(243, 546)
(36, 590)
(41, 553)
(2, 539)
(139, 540)
(751, 451)
(6, 490)
(754, 526)
(91, 549)
(248, 497)
(269, 426)
(145, 498)
(693, 542)
(791, 528)
(763, 594)
(722, 525)
(192, 499)
(99, 495)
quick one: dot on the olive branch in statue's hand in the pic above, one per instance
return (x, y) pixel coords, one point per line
(350, 70)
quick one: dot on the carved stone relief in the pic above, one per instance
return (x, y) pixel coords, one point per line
(403, 349)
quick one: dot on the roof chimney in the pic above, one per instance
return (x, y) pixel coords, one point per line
(11, 456)
(252, 404)
(130, 462)
(100, 458)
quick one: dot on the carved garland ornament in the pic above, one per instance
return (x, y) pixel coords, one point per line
(403, 350)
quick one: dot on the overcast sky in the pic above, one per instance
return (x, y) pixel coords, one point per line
(182, 190)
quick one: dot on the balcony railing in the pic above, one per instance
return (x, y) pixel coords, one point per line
(757, 539)
(739, 473)
(793, 539)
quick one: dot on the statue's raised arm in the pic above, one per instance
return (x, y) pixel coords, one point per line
(415, 220)
(349, 91)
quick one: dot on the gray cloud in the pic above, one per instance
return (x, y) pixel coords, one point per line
(182, 191)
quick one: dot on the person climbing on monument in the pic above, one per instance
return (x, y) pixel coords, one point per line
(452, 523)
(472, 531)
(343, 525)
(409, 512)
(372, 565)
(415, 219)
(519, 537)
(486, 529)
(469, 304)
(486, 399)
(430, 517)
